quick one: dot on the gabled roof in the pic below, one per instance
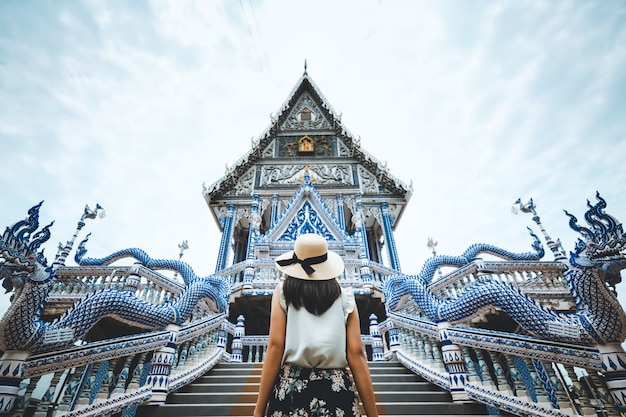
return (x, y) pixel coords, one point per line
(306, 213)
(282, 124)
(305, 85)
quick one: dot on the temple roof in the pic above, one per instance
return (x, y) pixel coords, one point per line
(283, 123)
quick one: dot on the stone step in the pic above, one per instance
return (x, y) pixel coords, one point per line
(256, 378)
(231, 390)
(203, 387)
(250, 396)
(242, 369)
(403, 408)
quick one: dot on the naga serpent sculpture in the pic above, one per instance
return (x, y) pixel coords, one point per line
(25, 270)
(594, 267)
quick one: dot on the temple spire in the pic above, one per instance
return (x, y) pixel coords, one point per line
(305, 73)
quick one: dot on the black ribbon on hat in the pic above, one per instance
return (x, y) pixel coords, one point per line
(306, 263)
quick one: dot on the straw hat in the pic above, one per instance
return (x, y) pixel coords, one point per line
(310, 259)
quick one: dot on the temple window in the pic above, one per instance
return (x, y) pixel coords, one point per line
(305, 115)
(306, 145)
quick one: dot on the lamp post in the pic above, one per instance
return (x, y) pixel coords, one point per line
(64, 251)
(432, 245)
(183, 246)
(529, 207)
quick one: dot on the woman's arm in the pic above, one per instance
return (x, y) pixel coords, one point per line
(358, 364)
(273, 355)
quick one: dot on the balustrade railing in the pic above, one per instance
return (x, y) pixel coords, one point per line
(536, 279)
(509, 372)
(105, 377)
(515, 373)
(518, 374)
(75, 282)
(252, 348)
(265, 275)
(117, 375)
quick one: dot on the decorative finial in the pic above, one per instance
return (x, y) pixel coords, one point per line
(529, 207)
(306, 175)
(305, 73)
(64, 251)
(182, 246)
(432, 245)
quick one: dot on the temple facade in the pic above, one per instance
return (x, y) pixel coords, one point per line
(305, 174)
(537, 333)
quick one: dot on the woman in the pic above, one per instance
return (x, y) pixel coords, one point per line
(314, 335)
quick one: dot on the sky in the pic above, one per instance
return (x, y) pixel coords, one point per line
(136, 105)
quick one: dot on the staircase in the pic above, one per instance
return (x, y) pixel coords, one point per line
(230, 390)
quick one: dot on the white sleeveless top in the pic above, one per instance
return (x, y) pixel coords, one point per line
(317, 341)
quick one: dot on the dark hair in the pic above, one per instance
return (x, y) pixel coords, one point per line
(315, 296)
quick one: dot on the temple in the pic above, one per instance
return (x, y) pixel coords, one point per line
(537, 333)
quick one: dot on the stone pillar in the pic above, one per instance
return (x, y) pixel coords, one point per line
(274, 213)
(341, 216)
(162, 361)
(221, 338)
(237, 346)
(11, 368)
(359, 222)
(452, 357)
(614, 368)
(227, 234)
(555, 247)
(394, 339)
(377, 341)
(391, 243)
(366, 272)
(132, 281)
(255, 222)
(64, 251)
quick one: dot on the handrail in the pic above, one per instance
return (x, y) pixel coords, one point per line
(108, 376)
(42, 364)
(266, 276)
(516, 373)
(196, 351)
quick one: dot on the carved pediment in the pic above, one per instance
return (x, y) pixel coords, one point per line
(294, 174)
(306, 115)
(245, 184)
(306, 220)
(369, 183)
(306, 213)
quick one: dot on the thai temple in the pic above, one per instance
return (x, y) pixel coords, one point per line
(483, 332)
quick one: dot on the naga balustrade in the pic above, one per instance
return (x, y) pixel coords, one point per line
(115, 375)
(516, 373)
(522, 375)
(539, 279)
(524, 336)
(252, 348)
(73, 283)
(519, 374)
(266, 277)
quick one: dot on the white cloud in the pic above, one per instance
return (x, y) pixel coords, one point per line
(136, 105)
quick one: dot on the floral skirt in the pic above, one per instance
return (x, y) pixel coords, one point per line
(313, 392)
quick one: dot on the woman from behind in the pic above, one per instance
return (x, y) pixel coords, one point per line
(314, 336)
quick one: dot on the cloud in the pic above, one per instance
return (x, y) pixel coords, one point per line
(136, 105)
